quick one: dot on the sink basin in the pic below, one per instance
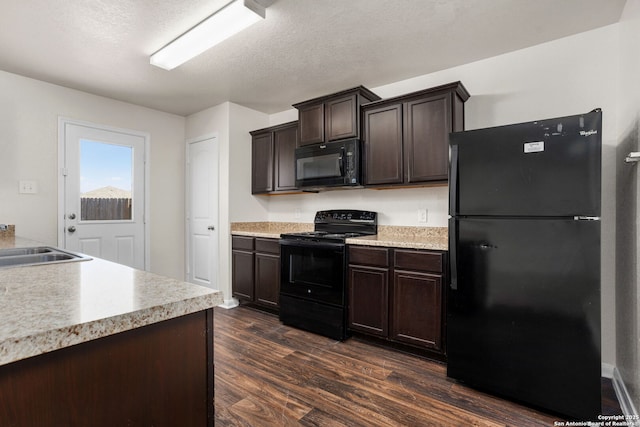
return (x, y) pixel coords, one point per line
(17, 257)
(24, 251)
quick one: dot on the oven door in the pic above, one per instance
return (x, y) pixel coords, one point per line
(314, 271)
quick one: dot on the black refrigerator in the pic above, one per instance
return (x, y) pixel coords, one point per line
(523, 311)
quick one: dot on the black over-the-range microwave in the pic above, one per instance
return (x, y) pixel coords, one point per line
(327, 165)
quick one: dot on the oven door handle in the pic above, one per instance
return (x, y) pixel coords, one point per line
(313, 245)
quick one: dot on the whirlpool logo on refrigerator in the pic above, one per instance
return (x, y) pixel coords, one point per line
(588, 132)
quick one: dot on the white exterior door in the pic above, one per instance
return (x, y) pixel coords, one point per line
(103, 200)
(202, 212)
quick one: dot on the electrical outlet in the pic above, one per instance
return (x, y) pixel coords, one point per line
(422, 216)
(296, 213)
(28, 187)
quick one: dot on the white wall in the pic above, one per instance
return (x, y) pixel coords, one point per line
(243, 206)
(394, 207)
(283, 117)
(564, 77)
(29, 111)
(628, 202)
(230, 123)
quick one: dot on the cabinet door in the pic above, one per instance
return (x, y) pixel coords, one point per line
(267, 279)
(311, 122)
(285, 141)
(426, 139)
(383, 145)
(242, 277)
(342, 118)
(368, 300)
(417, 309)
(262, 163)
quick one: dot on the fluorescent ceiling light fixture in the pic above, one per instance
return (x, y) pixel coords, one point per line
(231, 19)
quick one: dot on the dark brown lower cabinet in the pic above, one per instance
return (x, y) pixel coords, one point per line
(155, 375)
(242, 273)
(397, 294)
(256, 270)
(267, 272)
(368, 292)
(416, 307)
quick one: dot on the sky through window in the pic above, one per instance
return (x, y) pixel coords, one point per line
(105, 165)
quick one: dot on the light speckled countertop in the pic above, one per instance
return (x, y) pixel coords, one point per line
(432, 238)
(269, 230)
(48, 307)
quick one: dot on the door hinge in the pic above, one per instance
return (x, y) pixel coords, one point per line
(64, 171)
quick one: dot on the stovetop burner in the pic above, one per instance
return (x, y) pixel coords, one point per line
(338, 225)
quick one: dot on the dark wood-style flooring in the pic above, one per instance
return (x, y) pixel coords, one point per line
(268, 374)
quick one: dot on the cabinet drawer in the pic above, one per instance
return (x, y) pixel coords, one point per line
(361, 255)
(242, 243)
(420, 261)
(270, 246)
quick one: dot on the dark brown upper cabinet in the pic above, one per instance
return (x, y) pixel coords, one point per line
(332, 117)
(406, 138)
(272, 159)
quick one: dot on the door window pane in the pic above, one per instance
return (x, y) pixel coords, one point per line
(105, 181)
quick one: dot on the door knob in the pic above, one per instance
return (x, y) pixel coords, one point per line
(211, 228)
(71, 228)
(72, 216)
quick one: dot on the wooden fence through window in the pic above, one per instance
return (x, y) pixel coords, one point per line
(94, 209)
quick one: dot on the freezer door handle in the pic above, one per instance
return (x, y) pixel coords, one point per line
(453, 256)
(486, 246)
(453, 181)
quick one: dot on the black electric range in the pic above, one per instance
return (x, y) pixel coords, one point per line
(313, 294)
(338, 225)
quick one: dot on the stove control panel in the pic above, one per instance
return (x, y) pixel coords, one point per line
(341, 216)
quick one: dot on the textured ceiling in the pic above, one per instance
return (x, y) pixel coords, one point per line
(304, 49)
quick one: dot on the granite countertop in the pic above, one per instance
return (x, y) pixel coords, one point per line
(431, 238)
(47, 307)
(269, 230)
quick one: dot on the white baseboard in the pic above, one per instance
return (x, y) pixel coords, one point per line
(626, 403)
(607, 370)
(229, 303)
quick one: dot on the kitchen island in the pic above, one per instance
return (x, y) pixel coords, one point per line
(101, 344)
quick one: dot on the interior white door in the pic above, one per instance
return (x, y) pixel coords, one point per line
(104, 193)
(202, 212)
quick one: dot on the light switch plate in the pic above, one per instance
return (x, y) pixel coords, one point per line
(28, 187)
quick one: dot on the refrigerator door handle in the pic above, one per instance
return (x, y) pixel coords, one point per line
(453, 182)
(453, 254)
(586, 218)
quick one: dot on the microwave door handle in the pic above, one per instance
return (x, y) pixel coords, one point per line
(341, 158)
